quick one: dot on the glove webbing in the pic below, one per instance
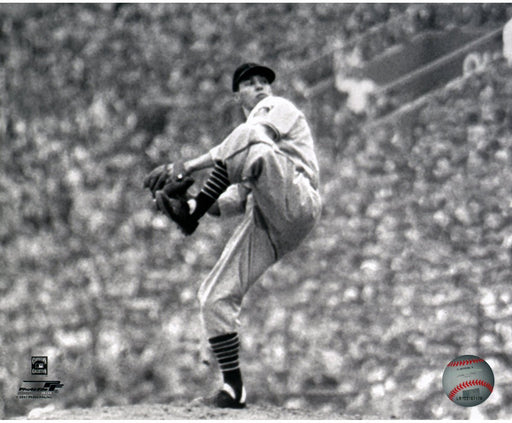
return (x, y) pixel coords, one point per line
(216, 184)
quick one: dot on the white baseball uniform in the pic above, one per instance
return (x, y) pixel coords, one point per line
(276, 184)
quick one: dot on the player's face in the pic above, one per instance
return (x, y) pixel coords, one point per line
(252, 90)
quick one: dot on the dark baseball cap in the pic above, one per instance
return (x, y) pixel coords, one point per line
(247, 70)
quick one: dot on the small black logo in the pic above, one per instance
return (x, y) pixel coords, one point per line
(39, 365)
(39, 389)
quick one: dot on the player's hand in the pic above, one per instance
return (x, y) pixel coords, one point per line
(171, 177)
(155, 179)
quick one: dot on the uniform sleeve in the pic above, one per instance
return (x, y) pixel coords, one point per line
(278, 114)
(216, 153)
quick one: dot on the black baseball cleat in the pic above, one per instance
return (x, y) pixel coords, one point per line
(178, 211)
(225, 398)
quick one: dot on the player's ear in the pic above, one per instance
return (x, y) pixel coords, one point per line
(237, 97)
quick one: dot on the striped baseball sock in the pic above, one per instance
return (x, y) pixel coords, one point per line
(226, 348)
(215, 185)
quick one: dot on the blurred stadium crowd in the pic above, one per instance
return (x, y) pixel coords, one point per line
(410, 266)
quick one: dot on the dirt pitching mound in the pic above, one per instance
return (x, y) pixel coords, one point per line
(185, 411)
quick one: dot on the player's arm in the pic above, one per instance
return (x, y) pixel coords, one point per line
(256, 132)
(202, 162)
(263, 130)
(278, 116)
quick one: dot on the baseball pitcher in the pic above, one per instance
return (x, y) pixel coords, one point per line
(266, 168)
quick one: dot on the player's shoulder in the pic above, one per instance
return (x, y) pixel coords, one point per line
(276, 101)
(274, 106)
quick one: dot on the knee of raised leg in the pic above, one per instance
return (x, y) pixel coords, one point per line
(256, 132)
(243, 130)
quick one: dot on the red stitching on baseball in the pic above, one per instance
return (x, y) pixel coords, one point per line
(469, 384)
(464, 362)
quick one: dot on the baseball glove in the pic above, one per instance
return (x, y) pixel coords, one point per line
(177, 210)
(171, 177)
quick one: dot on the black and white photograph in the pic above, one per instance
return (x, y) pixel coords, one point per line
(255, 211)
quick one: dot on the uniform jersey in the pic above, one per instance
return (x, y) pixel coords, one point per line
(293, 136)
